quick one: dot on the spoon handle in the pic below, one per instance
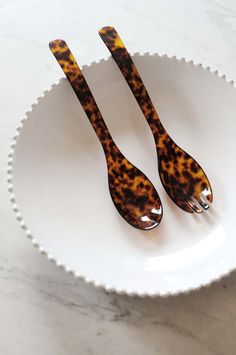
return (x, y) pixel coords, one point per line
(121, 56)
(74, 75)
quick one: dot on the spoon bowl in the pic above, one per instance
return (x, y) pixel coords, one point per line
(134, 195)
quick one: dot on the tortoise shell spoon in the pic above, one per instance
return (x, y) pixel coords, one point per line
(133, 194)
(182, 177)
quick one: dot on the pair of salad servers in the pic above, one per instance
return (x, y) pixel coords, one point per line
(133, 194)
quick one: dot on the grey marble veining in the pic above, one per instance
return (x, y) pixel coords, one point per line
(43, 310)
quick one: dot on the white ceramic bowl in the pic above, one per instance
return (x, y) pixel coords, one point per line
(58, 180)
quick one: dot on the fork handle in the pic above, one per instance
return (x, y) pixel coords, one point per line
(79, 84)
(124, 61)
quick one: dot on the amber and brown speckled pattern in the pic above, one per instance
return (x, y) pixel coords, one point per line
(132, 192)
(181, 176)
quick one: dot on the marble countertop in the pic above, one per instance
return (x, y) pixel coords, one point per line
(43, 310)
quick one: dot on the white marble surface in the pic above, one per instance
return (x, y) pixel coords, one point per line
(43, 310)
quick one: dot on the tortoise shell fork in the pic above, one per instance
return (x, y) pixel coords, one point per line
(131, 191)
(182, 177)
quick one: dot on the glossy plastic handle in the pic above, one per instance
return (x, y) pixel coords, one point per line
(74, 74)
(124, 61)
